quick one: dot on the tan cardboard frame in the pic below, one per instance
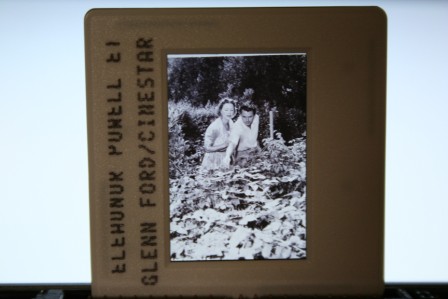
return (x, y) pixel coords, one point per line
(346, 54)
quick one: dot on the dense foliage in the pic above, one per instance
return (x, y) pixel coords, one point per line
(255, 212)
(269, 81)
(252, 212)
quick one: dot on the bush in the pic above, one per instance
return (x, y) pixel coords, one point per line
(255, 212)
(185, 139)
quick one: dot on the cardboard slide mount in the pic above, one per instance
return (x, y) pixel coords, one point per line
(126, 61)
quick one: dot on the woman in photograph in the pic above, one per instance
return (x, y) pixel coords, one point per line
(216, 138)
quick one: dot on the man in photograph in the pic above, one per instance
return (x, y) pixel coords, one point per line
(243, 143)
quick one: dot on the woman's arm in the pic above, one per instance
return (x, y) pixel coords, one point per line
(212, 133)
(216, 148)
(210, 136)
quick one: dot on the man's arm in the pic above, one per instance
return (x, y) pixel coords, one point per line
(229, 152)
(234, 139)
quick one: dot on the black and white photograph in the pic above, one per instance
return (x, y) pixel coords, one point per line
(237, 156)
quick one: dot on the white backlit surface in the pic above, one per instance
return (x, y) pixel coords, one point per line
(43, 155)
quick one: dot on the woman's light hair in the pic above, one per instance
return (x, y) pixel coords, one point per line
(225, 101)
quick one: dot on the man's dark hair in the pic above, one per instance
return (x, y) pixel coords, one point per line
(248, 106)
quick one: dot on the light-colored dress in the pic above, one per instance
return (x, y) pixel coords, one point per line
(215, 134)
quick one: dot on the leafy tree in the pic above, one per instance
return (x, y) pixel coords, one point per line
(270, 81)
(195, 79)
